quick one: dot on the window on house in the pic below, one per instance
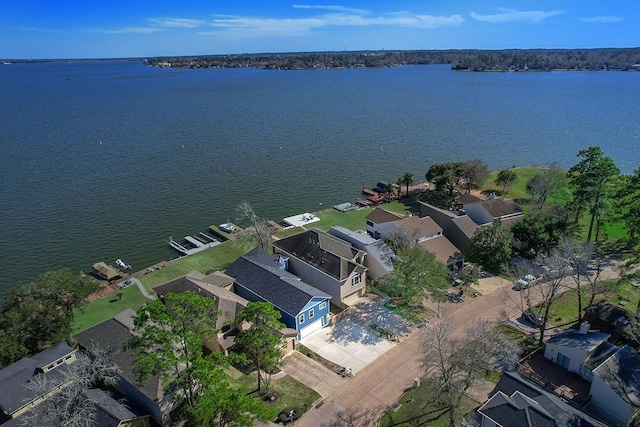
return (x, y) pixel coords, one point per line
(370, 224)
(311, 314)
(323, 305)
(301, 318)
(355, 280)
(586, 373)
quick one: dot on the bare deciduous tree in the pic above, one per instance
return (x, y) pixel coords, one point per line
(71, 406)
(259, 231)
(452, 364)
(541, 297)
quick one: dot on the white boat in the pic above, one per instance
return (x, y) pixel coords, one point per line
(227, 227)
(122, 264)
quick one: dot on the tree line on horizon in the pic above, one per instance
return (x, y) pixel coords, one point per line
(618, 59)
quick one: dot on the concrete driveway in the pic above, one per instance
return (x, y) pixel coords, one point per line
(351, 342)
(312, 374)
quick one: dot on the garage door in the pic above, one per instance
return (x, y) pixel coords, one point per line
(309, 329)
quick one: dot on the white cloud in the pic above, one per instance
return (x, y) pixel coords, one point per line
(332, 8)
(602, 19)
(42, 30)
(511, 15)
(177, 22)
(130, 30)
(256, 26)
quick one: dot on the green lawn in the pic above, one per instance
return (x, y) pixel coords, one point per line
(216, 258)
(293, 394)
(527, 342)
(353, 220)
(106, 307)
(420, 408)
(564, 312)
(414, 314)
(519, 189)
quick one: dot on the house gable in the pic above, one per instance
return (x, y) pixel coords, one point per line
(48, 365)
(113, 335)
(287, 292)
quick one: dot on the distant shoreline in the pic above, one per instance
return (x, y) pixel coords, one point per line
(615, 59)
(478, 60)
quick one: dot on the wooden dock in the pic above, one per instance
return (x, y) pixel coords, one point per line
(216, 231)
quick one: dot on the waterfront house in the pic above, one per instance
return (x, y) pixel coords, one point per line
(228, 304)
(113, 335)
(327, 263)
(379, 259)
(259, 276)
(413, 230)
(380, 221)
(484, 212)
(457, 228)
(427, 234)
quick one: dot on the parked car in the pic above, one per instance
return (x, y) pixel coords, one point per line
(532, 317)
(525, 282)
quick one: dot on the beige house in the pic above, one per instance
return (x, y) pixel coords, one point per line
(228, 304)
(458, 228)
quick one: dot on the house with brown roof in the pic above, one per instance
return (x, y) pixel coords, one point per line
(380, 220)
(427, 234)
(486, 211)
(458, 229)
(325, 262)
(415, 230)
(228, 303)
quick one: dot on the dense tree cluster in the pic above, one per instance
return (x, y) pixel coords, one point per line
(37, 315)
(466, 59)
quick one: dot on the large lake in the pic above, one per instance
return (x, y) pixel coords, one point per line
(106, 160)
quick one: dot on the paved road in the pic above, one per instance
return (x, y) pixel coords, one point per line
(380, 384)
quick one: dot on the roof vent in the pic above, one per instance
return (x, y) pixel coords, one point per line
(584, 327)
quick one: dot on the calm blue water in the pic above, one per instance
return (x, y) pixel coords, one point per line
(107, 160)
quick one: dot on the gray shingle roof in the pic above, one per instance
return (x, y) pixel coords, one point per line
(574, 339)
(284, 290)
(565, 415)
(113, 336)
(15, 378)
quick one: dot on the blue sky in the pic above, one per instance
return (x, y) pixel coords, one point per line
(142, 28)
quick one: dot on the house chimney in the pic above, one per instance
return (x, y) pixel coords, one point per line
(584, 327)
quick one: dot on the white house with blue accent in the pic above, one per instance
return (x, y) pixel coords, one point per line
(259, 276)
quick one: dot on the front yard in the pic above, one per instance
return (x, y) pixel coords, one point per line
(419, 407)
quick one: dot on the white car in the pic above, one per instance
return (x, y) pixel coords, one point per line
(525, 282)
